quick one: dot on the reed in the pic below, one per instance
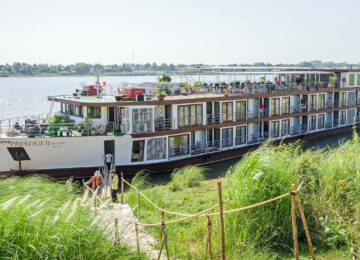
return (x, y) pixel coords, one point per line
(40, 220)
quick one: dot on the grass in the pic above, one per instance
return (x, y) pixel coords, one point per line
(330, 197)
(40, 220)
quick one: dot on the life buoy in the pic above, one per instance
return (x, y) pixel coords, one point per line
(100, 129)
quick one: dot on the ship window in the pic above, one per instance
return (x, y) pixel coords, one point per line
(240, 110)
(358, 79)
(343, 99)
(190, 115)
(352, 79)
(312, 102)
(71, 110)
(138, 151)
(94, 112)
(178, 145)
(285, 127)
(321, 104)
(227, 137)
(275, 106)
(321, 121)
(227, 111)
(156, 148)
(142, 120)
(240, 135)
(78, 110)
(275, 125)
(342, 117)
(286, 105)
(313, 122)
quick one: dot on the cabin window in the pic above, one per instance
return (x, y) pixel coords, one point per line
(351, 116)
(71, 110)
(275, 106)
(142, 120)
(275, 129)
(321, 104)
(342, 117)
(358, 79)
(240, 110)
(352, 79)
(62, 110)
(138, 151)
(285, 127)
(227, 137)
(190, 115)
(94, 112)
(227, 111)
(179, 145)
(156, 148)
(240, 135)
(313, 122)
(321, 121)
(78, 110)
(286, 105)
(342, 99)
(312, 102)
(351, 98)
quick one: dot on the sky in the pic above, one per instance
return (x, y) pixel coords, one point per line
(178, 31)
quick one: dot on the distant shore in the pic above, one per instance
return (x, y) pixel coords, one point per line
(136, 73)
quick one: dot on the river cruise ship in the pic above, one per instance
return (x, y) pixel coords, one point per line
(161, 126)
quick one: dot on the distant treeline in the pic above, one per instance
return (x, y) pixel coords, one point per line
(24, 69)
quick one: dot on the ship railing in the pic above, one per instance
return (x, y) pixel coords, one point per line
(37, 130)
(30, 119)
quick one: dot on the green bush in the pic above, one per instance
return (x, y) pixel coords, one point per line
(189, 176)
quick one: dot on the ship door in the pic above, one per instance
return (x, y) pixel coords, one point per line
(111, 115)
(109, 146)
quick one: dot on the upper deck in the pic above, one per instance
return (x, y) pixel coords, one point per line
(240, 83)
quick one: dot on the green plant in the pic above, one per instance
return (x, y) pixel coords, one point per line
(141, 180)
(40, 220)
(197, 84)
(160, 94)
(189, 176)
(262, 79)
(185, 85)
(165, 78)
(226, 90)
(333, 78)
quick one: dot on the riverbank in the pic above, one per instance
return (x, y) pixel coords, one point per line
(330, 198)
(40, 220)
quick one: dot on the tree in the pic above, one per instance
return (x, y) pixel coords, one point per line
(165, 78)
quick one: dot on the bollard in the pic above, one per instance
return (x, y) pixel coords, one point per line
(139, 206)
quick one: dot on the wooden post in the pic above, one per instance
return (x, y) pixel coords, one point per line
(83, 186)
(137, 239)
(208, 244)
(139, 206)
(122, 188)
(163, 232)
(221, 220)
(117, 238)
(305, 226)
(293, 220)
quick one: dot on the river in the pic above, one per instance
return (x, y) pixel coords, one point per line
(22, 96)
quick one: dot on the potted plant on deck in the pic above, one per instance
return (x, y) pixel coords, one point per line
(161, 95)
(226, 92)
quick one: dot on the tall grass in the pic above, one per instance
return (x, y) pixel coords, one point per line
(330, 197)
(186, 177)
(40, 220)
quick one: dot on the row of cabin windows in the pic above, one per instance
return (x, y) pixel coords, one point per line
(75, 110)
(179, 145)
(275, 106)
